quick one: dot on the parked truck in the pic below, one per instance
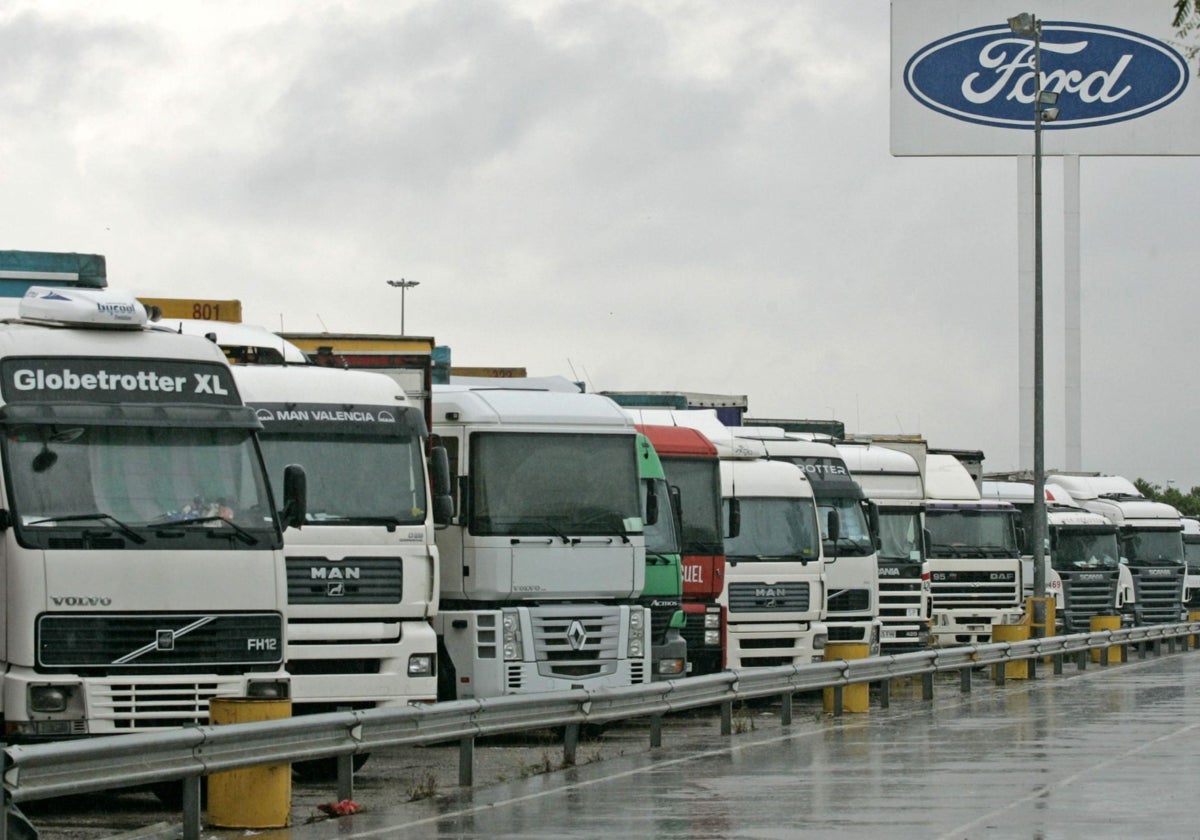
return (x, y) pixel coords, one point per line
(692, 468)
(1151, 537)
(975, 573)
(544, 563)
(851, 563)
(892, 480)
(662, 594)
(141, 538)
(1191, 553)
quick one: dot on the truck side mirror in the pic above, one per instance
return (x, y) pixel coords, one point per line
(439, 479)
(295, 497)
(833, 531)
(677, 510)
(873, 524)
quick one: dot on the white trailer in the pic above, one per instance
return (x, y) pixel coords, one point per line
(892, 480)
(139, 544)
(544, 561)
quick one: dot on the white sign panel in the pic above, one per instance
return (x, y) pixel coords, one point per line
(963, 82)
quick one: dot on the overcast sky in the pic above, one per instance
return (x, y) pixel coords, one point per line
(648, 195)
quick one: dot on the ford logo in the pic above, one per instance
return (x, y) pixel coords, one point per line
(1102, 75)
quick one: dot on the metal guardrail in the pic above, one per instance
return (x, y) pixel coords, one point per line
(62, 768)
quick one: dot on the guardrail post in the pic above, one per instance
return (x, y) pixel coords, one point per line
(570, 744)
(345, 777)
(885, 694)
(656, 731)
(1081, 660)
(964, 680)
(1141, 648)
(835, 697)
(466, 761)
(998, 673)
(927, 686)
(191, 808)
(785, 711)
(1103, 657)
(727, 717)
(1058, 664)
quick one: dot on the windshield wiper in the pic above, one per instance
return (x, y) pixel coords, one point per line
(546, 524)
(125, 530)
(242, 534)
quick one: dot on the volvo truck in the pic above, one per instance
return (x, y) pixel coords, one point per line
(140, 537)
(974, 563)
(892, 480)
(544, 563)
(1151, 538)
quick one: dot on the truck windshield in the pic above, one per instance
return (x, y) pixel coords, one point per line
(854, 539)
(661, 537)
(900, 535)
(699, 483)
(1074, 550)
(775, 529)
(1191, 551)
(137, 487)
(352, 479)
(1152, 548)
(553, 484)
(971, 533)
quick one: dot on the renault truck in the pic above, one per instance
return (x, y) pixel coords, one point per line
(543, 565)
(140, 536)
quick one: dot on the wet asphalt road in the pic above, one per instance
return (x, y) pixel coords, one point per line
(1090, 754)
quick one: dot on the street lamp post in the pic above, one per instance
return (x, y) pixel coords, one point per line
(403, 285)
(1027, 25)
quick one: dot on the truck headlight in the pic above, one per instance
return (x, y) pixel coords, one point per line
(513, 647)
(637, 632)
(712, 620)
(420, 665)
(48, 699)
(819, 640)
(268, 689)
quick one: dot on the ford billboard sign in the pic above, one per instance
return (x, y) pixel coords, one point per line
(1102, 75)
(1122, 88)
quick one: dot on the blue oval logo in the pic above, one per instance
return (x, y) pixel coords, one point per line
(1102, 75)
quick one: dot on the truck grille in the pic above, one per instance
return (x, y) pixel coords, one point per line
(1085, 594)
(149, 705)
(1159, 592)
(962, 589)
(762, 597)
(557, 633)
(117, 642)
(901, 607)
(354, 580)
(849, 601)
(661, 610)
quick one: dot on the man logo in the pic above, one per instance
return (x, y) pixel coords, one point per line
(335, 589)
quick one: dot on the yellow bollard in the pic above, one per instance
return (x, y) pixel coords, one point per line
(257, 797)
(1194, 616)
(1013, 633)
(1116, 653)
(855, 698)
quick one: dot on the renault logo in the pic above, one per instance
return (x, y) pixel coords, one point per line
(576, 635)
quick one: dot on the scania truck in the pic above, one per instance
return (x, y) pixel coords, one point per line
(140, 539)
(1151, 535)
(974, 563)
(544, 563)
(892, 480)
(851, 564)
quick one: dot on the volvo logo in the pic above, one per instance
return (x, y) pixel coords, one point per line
(577, 635)
(1102, 75)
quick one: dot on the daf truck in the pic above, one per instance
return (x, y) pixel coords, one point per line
(851, 563)
(1151, 538)
(892, 480)
(139, 538)
(975, 570)
(544, 563)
